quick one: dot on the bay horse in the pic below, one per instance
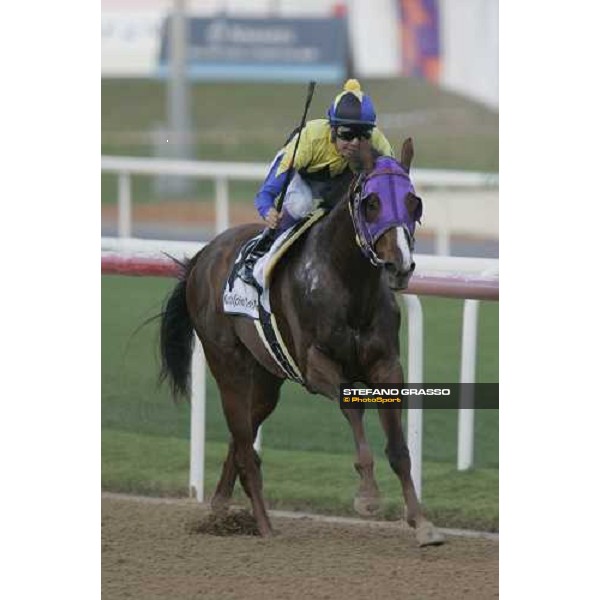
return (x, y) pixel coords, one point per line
(333, 297)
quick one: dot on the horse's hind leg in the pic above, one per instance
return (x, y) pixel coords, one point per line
(263, 405)
(241, 379)
(220, 499)
(264, 398)
(366, 501)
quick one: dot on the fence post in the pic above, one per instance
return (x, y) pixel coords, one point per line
(198, 420)
(124, 205)
(442, 241)
(415, 375)
(222, 204)
(468, 361)
(442, 232)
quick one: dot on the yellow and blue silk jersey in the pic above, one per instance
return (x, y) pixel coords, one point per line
(317, 159)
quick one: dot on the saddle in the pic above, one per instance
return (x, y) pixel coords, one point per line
(242, 298)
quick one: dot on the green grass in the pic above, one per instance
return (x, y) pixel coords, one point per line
(308, 449)
(249, 122)
(298, 480)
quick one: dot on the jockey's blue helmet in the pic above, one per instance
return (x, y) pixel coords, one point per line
(352, 107)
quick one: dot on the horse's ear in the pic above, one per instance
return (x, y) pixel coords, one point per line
(407, 153)
(367, 159)
(414, 204)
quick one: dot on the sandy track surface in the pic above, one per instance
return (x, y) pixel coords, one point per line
(149, 551)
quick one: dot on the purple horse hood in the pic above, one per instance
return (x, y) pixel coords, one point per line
(390, 181)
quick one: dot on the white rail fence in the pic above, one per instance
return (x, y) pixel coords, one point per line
(223, 172)
(472, 279)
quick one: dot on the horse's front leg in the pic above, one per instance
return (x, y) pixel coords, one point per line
(398, 455)
(324, 376)
(366, 501)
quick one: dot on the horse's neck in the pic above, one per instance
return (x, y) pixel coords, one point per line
(338, 247)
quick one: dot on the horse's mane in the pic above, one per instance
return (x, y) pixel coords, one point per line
(337, 190)
(341, 184)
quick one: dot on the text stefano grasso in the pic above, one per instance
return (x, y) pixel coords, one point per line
(396, 392)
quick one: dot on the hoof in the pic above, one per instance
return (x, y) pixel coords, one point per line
(219, 507)
(428, 535)
(265, 530)
(367, 506)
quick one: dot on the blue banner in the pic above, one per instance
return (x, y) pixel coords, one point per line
(277, 49)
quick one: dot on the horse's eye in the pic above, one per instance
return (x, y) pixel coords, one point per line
(372, 208)
(373, 202)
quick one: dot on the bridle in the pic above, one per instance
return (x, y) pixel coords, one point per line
(365, 239)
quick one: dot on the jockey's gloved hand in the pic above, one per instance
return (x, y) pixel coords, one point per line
(272, 218)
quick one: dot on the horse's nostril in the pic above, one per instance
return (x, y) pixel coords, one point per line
(412, 267)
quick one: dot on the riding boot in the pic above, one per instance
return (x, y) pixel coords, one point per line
(259, 249)
(263, 245)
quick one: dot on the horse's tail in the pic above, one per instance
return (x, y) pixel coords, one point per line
(177, 336)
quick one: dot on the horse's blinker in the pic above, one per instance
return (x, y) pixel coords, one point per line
(390, 181)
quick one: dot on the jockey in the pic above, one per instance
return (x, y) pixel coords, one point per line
(327, 149)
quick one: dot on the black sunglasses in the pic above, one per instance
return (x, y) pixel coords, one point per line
(348, 134)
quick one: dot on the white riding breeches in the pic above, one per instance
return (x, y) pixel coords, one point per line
(298, 200)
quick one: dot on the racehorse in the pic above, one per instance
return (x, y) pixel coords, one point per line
(333, 295)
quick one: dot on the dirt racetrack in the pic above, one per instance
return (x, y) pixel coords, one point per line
(149, 551)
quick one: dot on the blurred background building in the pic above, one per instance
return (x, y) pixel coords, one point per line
(448, 42)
